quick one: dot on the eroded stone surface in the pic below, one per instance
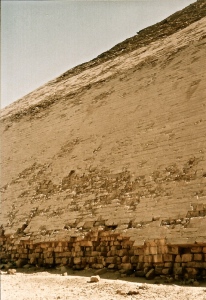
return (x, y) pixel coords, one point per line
(105, 168)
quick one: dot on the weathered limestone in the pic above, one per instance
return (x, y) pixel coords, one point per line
(122, 186)
(108, 250)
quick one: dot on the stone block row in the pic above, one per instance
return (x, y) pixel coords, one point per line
(106, 249)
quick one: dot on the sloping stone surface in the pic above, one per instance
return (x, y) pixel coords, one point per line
(115, 151)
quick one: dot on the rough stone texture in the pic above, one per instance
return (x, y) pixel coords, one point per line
(11, 272)
(95, 278)
(104, 167)
(150, 274)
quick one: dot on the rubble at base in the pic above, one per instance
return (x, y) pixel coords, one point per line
(108, 250)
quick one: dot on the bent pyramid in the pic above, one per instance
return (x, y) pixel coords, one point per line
(105, 166)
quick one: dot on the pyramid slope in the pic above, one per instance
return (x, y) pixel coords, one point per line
(159, 31)
(120, 154)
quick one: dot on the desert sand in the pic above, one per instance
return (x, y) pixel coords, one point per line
(51, 284)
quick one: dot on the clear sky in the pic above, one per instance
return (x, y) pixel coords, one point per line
(42, 39)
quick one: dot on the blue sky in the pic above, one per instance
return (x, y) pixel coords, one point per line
(42, 39)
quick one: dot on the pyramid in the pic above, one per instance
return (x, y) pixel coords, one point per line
(105, 166)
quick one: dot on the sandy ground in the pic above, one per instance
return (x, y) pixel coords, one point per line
(52, 285)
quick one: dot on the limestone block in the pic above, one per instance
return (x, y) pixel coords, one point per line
(161, 241)
(125, 259)
(11, 271)
(192, 271)
(84, 260)
(104, 233)
(73, 253)
(95, 278)
(23, 256)
(150, 274)
(92, 260)
(153, 250)
(198, 256)
(126, 245)
(111, 253)
(158, 270)
(178, 270)
(168, 257)
(147, 250)
(64, 260)
(126, 266)
(86, 243)
(32, 260)
(166, 271)
(118, 259)
(139, 274)
(147, 265)
(157, 258)
(32, 255)
(77, 260)
(113, 248)
(162, 249)
(168, 264)
(77, 248)
(103, 249)
(49, 260)
(44, 245)
(58, 260)
(122, 252)
(98, 266)
(196, 249)
(150, 243)
(20, 250)
(58, 249)
(134, 259)
(98, 248)
(50, 254)
(204, 249)
(179, 240)
(178, 258)
(173, 249)
(20, 263)
(195, 264)
(131, 252)
(80, 253)
(35, 255)
(187, 257)
(100, 260)
(110, 260)
(148, 258)
(139, 251)
(201, 239)
(111, 266)
(116, 243)
(141, 258)
(95, 253)
(66, 253)
(140, 266)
